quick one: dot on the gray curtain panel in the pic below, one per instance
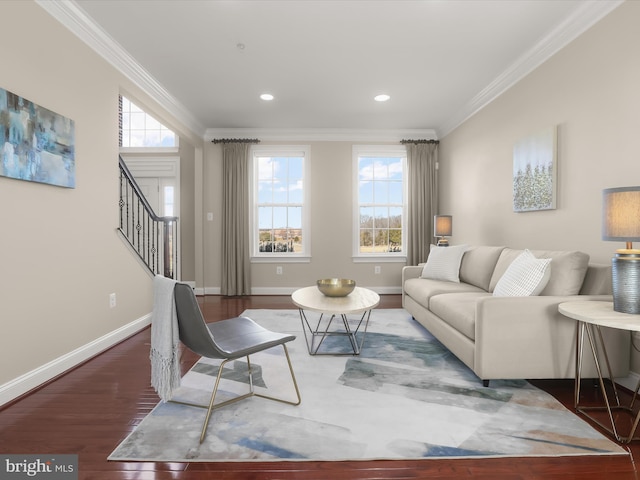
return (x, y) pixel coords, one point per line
(422, 160)
(236, 259)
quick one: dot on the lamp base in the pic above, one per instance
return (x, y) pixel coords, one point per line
(625, 270)
(442, 242)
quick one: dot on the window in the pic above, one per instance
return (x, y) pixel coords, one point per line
(380, 203)
(138, 129)
(280, 203)
(168, 208)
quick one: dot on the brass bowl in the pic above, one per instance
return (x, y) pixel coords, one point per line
(336, 287)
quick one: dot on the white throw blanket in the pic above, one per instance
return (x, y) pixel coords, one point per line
(165, 341)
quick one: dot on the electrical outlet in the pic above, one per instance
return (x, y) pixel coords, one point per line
(376, 270)
(278, 270)
(112, 300)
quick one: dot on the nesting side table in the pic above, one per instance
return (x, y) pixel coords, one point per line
(591, 316)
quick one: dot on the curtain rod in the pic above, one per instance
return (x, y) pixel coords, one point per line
(235, 140)
(420, 141)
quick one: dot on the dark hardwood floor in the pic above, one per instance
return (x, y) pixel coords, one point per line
(90, 409)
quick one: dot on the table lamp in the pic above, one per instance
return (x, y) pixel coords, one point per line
(621, 222)
(442, 227)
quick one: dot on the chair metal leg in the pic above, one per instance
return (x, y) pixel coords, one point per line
(213, 397)
(293, 378)
(212, 406)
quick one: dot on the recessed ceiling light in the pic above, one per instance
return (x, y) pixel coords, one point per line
(382, 97)
(266, 96)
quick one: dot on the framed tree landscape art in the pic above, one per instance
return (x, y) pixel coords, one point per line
(535, 172)
(36, 144)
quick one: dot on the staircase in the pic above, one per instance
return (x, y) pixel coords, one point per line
(152, 238)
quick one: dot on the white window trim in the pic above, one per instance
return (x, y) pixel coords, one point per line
(377, 151)
(274, 150)
(151, 150)
(151, 166)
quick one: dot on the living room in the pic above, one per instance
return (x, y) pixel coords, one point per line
(62, 256)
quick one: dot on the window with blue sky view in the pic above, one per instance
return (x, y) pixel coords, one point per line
(380, 203)
(280, 203)
(138, 129)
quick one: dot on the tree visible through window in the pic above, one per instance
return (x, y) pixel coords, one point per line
(139, 129)
(380, 200)
(280, 206)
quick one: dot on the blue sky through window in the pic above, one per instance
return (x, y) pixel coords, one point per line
(380, 202)
(380, 180)
(139, 129)
(280, 197)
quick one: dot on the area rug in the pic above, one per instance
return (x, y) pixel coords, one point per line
(404, 397)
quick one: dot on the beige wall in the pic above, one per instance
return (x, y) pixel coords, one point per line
(60, 255)
(590, 90)
(331, 228)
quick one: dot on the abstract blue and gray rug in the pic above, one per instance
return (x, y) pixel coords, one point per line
(405, 397)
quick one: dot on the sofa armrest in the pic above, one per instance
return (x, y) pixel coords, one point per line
(523, 332)
(410, 271)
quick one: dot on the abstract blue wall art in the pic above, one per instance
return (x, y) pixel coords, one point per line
(36, 144)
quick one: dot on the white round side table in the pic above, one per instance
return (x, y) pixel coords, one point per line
(591, 316)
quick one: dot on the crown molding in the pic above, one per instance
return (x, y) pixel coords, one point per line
(320, 134)
(587, 15)
(70, 15)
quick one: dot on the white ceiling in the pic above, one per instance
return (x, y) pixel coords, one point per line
(325, 60)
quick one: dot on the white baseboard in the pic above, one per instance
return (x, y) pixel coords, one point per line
(207, 291)
(30, 380)
(630, 381)
(273, 290)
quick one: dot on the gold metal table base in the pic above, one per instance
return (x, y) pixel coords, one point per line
(596, 342)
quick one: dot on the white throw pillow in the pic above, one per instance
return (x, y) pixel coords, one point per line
(443, 263)
(526, 276)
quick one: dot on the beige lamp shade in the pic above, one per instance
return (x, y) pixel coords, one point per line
(621, 222)
(621, 214)
(443, 225)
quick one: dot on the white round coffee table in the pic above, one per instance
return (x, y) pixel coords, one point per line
(361, 301)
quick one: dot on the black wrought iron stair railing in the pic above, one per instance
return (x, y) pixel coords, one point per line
(152, 238)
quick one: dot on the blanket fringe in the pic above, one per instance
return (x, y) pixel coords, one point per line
(165, 377)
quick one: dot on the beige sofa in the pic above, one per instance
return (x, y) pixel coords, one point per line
(513, 337)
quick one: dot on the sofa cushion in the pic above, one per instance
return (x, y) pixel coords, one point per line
(422, 289)
(526, 276)
(443, 263)
(597, 280)
(458, 310)
(478, 264)
(568, 269)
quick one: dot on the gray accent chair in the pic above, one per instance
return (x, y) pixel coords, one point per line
(227, 340)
